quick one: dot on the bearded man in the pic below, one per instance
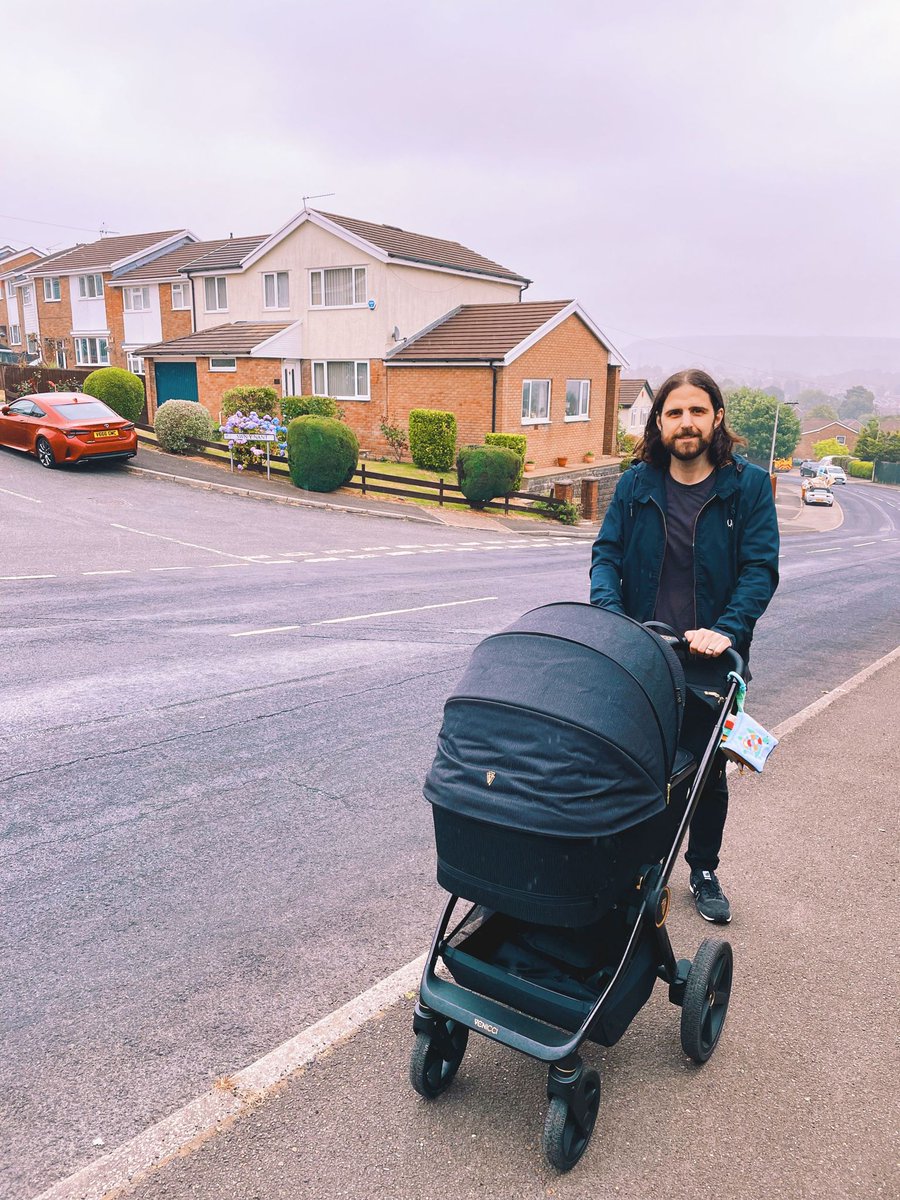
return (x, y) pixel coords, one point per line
(691, 539)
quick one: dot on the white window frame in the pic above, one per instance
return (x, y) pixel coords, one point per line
(135, 363)
(275, 276)
(26, 295)
(130, 294)
(184, 291)
(87, 355)
(584, 400)
(323, 365)
(62, 357)
(15, 335)
(841, 439)
(320, 272)
(32, 343)
(52, 294)
(215, 281)
(220, 359)
(90, 287)
(527, 388)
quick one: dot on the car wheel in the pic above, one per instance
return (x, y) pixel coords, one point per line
(44, 452)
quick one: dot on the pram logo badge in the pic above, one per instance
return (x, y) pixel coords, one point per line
(490, 776)
(479, 1024)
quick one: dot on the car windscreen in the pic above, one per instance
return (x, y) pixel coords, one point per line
(86, 410)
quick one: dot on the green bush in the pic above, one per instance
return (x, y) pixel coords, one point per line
(310, 406)
(842, 460)
(178, 421)
(121, 390)
(432, 439)
(486, 472)
(512, 441)
(322, 453)
(261, 400)
(565, 511)
(397, 438)
(860, 470)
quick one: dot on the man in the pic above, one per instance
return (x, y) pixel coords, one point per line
(691, 539)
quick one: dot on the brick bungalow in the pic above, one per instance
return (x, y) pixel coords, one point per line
(844, 432)
(541, 368)
(635, 402)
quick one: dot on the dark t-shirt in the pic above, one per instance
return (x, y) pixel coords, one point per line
(675, 603)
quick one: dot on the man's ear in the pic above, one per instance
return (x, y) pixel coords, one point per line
(719, 418)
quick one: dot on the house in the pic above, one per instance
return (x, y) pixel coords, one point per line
(314, 308)
(18, 315)
(543, 369)
(844, 432)
(78, 316)
(635, 402)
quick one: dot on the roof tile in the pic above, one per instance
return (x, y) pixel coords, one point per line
(235, 338)
(100, 255)
(478, 331)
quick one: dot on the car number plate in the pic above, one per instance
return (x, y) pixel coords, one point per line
(103, 433)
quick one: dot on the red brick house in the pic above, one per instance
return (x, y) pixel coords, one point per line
(844, 432)
(541, 368)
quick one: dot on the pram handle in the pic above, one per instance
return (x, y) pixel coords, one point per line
(679, 645)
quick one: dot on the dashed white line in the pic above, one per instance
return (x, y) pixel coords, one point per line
(19, 495)
(28, 576)
(191, 545)
(830, 550)
(393, 612)
(872, 543)
(256, 632)
(121, 571)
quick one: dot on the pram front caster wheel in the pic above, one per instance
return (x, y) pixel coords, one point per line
(436, 1057)
(706, 997)
(574, 1103)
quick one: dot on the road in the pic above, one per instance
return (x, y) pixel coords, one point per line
(216, 718)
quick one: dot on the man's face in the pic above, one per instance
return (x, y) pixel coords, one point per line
(687, 422)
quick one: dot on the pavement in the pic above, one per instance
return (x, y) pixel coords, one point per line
(799, 1100)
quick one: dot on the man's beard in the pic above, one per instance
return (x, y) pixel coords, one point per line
(687, 448)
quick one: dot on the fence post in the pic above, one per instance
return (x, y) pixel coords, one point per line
(441, 492)
(362, 471)
(564, 489)
(590, 491)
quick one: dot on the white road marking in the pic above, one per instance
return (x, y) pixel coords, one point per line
(274, 629)
(220, 566)
(28, 577)
(191, 545)
(121, 571)
(393, 612)
(190, 568)
(872, 543)
(309, 560)
(830, 550)
(33, 500)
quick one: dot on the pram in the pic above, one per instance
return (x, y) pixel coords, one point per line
(560, 797)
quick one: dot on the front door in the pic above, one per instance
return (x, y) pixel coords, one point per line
(175, 381)
(290, 377)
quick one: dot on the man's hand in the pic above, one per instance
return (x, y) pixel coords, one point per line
(706, 642)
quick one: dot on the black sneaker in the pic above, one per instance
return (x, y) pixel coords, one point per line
(712, 903)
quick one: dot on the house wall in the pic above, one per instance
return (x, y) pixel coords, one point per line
(30, 324)
(12, 316)
(56, 321)
(175, 322)
(251, 372)
(832, 430)
(141, 328)
(464, 391)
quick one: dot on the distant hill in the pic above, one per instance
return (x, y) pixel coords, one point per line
(791, 363)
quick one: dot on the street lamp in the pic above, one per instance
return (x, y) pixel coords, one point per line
(778, 404)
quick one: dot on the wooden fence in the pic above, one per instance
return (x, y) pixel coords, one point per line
(42, 379)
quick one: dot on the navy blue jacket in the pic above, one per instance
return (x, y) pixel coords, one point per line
(735, 550)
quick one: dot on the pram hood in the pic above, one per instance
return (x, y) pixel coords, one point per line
(564, 724)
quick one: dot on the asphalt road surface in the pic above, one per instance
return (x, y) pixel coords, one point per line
(216, 718)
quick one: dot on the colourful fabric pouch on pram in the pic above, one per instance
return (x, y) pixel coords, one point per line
(744, 740)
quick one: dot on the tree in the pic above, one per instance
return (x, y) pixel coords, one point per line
(751, 413)
(824, 412)
(868, 441)
(810, 397)
(829, 448)
(857, 400)
(774, 390)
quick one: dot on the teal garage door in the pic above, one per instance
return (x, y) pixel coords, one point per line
(175, 381)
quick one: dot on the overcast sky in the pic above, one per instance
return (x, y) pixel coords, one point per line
(682, 168)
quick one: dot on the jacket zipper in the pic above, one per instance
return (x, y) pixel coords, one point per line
(663, 560)
(694, 553)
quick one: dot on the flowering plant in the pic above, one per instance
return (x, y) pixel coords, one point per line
(242, 429)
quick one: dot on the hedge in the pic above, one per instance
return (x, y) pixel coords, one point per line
(178, 421)
(512, 441)
(486, 472)
(310, 406)
(322, 453)
(261, 400)
(432, 439)
(860, 470)
(121, 390)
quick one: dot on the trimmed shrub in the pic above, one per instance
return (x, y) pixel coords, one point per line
(261, 400)
(178, 421)
(860, 470)
(512, 441)
(842, 460)
(432, 439)
(486, 472)
(310, 406)
(322, 453)
(121, 390)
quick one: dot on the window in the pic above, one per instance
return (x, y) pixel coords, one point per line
(136, 299)
(135, 364)
(51, 289)
(535, 401)
(578, 399)
(62, 358)
(841, 439)
(181, 295)
(90, 286)
(216, 294)
(34, 345)
(275, 290)
(15, 335)
(337, 287)
(222, 364)
(26, 296)
(342, 380)
(92, 352)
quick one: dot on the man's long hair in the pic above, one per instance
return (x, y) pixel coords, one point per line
(651, 449)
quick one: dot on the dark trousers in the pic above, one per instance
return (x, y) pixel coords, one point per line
(708, 822)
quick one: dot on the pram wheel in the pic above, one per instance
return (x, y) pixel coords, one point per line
(436, 1057)
(570, 1119)
(706, 996)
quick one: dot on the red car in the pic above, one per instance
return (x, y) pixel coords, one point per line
(66, 427)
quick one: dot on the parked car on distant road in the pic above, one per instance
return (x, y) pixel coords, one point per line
(834, 473)
(818, 493)
(66, 427)
(809, 467)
